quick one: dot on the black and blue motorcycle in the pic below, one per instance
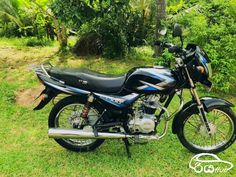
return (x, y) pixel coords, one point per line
(130, 107)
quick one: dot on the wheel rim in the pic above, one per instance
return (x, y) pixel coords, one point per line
(71, 112)
(221, 129)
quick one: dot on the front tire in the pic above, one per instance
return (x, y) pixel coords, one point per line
(55, 121)
(191, 139)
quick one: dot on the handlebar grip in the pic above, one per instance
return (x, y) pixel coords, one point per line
(167, 45)
(163, 44)
(171, 47)
(157, 43)
(174, 49)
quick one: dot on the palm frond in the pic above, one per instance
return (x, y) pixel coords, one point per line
(13, 18)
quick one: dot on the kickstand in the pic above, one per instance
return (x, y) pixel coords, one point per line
(127, 144)
(95, 131)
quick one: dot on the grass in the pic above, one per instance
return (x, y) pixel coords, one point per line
(25, 149)
(24, 42)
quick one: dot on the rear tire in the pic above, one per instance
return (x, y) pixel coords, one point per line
(53, 121)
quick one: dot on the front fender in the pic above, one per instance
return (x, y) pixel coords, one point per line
(209, 102)
(191, 106)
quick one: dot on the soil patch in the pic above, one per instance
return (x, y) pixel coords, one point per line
(26, 97)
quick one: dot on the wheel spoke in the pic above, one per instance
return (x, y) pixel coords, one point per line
(222, 122)
(199, 138)
(222, 134)
(68, 114)
(215, 139)
(195, 119)
(193, 125)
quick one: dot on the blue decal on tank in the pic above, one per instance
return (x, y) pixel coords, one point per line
(150, 88)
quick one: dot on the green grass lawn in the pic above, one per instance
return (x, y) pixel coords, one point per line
(26, 150)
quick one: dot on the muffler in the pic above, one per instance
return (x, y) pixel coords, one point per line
(83, 134)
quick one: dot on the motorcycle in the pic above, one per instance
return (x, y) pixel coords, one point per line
(130, 107)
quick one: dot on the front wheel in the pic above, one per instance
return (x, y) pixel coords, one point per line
(195, 137)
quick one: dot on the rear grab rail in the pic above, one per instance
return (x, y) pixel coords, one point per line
(46, 73)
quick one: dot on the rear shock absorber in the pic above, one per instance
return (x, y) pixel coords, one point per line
(86, 108)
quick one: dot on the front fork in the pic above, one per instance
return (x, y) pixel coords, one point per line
(198, 101)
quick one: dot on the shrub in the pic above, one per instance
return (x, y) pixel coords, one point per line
(33, 41)
(112, 40)
(166, 59)
(119, 26)
(88, 44)
(9, 30)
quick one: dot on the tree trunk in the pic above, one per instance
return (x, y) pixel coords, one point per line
(60, 27)
(61, 34)
(161, 15)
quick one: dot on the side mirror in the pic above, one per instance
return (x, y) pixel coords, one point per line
(177, 32)
(163, 31)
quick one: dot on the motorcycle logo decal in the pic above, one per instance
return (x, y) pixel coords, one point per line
(83, 82)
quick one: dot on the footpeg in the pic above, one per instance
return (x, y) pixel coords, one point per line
(95, 132)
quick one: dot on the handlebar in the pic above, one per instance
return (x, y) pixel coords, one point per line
(186, 55)
(171, 47)
(163, 44)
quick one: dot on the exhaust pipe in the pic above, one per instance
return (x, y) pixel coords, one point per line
(83, 134)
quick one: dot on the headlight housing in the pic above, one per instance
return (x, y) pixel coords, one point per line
(198, 64)
(209, 70)
(206, 64)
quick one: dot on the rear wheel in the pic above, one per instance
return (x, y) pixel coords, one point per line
(194, 136)
(65, 113)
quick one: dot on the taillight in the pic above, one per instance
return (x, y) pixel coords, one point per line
(44, 97)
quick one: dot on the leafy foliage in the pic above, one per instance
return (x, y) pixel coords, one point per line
(212, 26)
(32, 42)
(23, 18)
(119, 25)
(109, 27)
(10, 17)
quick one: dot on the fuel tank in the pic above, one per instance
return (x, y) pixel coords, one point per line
(155, 79)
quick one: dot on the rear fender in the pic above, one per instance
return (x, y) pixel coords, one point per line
(49, 93)
(191, 106)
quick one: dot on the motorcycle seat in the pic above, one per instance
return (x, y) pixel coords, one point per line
(88, 80)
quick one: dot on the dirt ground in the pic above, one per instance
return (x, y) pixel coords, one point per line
(26, 97)
(15, 68)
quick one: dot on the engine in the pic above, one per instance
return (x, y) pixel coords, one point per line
(143, 118)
